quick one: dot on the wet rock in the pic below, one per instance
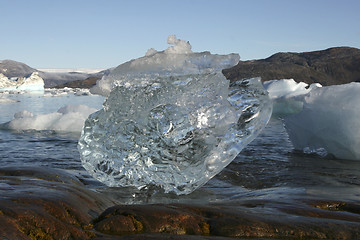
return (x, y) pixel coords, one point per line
(42, 203)
(247, 220)
(124, 219)
(162, 236)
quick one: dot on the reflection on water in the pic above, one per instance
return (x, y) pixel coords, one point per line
(266, 169)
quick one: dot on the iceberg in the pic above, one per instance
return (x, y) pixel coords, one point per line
(171, 120)
(328, 121)
(32, 83)
(321, 120)
(287, 95)
(69, 118)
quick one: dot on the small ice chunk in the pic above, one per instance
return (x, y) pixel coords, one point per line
(180, 46)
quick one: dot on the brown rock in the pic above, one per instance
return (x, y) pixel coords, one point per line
(87, 83)
(41, 203)
(150, 219)
(260, 219)
(161, 236)
(328, 67)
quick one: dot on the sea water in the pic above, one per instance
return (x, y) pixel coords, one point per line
(268, 168)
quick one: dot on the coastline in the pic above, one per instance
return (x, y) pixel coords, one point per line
(43, 203)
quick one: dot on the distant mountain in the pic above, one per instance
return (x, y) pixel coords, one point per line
(12, 68)
(52, 79)
(332, 66)
(328, 67)
(86, 83)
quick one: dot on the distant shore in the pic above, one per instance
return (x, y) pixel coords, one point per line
(65, 70)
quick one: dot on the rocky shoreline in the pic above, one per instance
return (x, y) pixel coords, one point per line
(43, 203)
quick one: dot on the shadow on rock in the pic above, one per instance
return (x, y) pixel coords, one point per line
(43, 203)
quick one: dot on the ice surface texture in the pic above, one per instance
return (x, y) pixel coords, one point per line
(32, 83)
(287, 95)
(69, 118)
(329, 120)
(160, 127)
(174, 61)
(176, 133)
(322, 120)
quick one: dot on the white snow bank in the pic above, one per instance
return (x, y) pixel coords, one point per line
(32, 83)
(330, 120)
(175, 60)
(70, 118)
(287, 95)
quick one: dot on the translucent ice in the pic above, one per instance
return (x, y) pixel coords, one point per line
(32, 83)
(69, 118)
(329, 120)
(287, 95)
(172, 123)
(175, 60)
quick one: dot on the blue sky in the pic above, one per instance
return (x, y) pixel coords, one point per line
(106, 33)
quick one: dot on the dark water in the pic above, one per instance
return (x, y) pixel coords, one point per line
(268, 168)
